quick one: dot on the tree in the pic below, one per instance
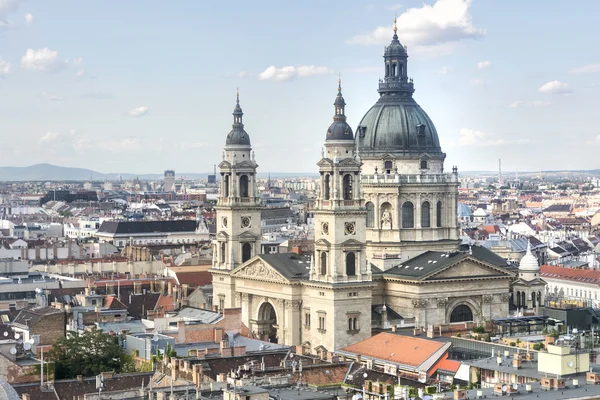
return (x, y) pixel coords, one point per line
(89, 354)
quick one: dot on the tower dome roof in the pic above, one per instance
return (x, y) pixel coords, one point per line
(396, 124)
(339, 129)
(237, 135)
(528, 263)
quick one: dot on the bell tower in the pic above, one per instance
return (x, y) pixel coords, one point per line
(238, 206)
(340, 216)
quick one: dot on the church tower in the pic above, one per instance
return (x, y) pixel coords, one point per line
(238, 206)
(411, 203)
(529, 289)
(340, 216)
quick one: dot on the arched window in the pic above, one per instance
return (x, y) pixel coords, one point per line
(425, 215)
(423, 164)
(533, 300)
(388, 167)
(438, 214)
(326, 185)
(387, 70)
(244, 186)
(461, 313)
(523, 301)
(223, 246)
(400, 70)
(518, 299)
(226, 186)
(246, 252)
(350, 264)
(408, 215)
(370, 214)
(393, 69)
(347, 187)
(323, 263)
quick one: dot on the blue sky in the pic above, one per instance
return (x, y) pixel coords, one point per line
(142, 86)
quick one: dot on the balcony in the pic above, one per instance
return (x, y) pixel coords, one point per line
(238, 201)
(393, 179)
(396, 86)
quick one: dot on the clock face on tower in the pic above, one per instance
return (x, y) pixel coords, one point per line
(325, 228)
(224, 221)
(349, 228)
(245, 222)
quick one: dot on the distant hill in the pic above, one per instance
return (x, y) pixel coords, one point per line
(49, 172)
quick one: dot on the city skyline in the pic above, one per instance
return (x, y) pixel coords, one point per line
(139, 90)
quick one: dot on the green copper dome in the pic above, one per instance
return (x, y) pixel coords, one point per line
(396, 124)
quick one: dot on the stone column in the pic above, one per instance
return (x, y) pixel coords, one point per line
(294, 322)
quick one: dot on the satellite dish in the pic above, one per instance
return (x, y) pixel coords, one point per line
(27, 346)
(20, 341)
(504, 388)
(13, 351)
(17, 336)
(515, 386)
(570, 364)
(5, 333)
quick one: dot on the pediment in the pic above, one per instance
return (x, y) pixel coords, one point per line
(257, 269)
(349, 162)
(388, 156)
(466, 268)
(352, 243)
(245, 164)
(222, 235)
(325, 162)
(322, 242)
(224, 164)
(424, 156)
(247, 235)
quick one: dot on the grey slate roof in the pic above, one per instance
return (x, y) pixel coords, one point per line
(419, 267)
(290, 265)
(30, 317)
(128, 227)
(272, 213)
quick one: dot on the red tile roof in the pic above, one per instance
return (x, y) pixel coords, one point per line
(570, 274)
(449, 365)
(399, 349)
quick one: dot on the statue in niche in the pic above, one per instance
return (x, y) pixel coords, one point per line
(386, 219)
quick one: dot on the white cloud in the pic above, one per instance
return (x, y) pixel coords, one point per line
(8, 7)
(446, 21)
(4, 67)
(444, 71)
(476, 138)
(138, 111)
(530, 104)
(48, 96)
(555, 87)
(28, 18)
(42, 60)
(586, 69)
(484, 64)
(242, 74)
(48, 137)
(289, 72)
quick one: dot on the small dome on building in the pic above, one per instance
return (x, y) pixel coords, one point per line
(529, 263)
(238, 135)
(339, 129)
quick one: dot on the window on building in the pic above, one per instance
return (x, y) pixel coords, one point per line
(425, 215)
(226, 186)
(322, 322)
(350, 264)
(388, 167)
(370, 214)
(326, 187)
(223, 246)
(307, 319)
(438, 214)
(246, 252)
(221, 303)
(347, 187)
(353, 324)
(244, 186)
(323, 263)
(408, 215)
(424, 164)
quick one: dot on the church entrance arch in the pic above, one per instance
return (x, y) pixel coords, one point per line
(461, 313)
(266, 322)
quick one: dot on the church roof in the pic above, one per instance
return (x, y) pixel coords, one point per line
(290, 265)
(423, 265)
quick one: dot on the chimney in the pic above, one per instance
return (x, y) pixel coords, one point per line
(79, 378)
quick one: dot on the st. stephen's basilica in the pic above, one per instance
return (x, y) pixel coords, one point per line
(386, 235)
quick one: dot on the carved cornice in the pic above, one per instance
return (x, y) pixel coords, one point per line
(487, 298)
(505, 296)
(419, 303)
(293, 304)
(442, 301)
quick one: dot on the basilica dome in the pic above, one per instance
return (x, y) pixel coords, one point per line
(396, 124)
(237, 135)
